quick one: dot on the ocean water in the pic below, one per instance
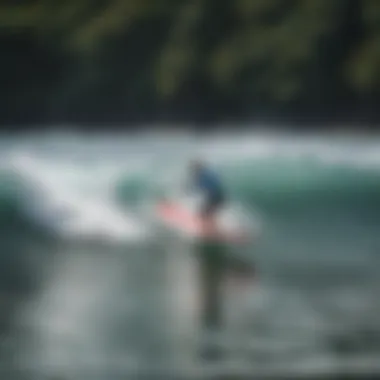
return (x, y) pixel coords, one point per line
(90, 289)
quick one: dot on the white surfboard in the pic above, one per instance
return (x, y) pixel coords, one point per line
(181, 215)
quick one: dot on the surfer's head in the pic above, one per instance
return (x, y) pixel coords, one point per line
(196, 166)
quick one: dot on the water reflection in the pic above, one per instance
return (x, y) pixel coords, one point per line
(91, 311)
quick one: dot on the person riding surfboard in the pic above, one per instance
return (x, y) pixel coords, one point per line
(214, 218)
(206, 181)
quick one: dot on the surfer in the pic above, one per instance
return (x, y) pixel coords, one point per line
(209, 184)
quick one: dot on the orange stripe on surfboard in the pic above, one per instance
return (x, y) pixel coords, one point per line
(177, 216)
(181, 219)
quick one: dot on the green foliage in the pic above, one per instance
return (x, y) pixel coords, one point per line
(363, 66)
(272, 48)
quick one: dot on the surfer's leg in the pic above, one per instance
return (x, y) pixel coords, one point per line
(209, 210)
(206, 212)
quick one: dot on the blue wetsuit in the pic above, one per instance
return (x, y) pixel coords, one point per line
(209, 183)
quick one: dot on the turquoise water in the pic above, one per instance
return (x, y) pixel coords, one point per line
(90, 289)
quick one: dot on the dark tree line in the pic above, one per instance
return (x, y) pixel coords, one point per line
(118, 61)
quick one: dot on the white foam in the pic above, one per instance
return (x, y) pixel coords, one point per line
(75, 201)
(357, 153)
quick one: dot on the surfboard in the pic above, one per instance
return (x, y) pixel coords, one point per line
(178, 217)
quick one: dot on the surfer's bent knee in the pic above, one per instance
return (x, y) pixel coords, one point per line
(212, 205)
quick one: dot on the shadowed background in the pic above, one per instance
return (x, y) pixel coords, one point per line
(116, 61)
